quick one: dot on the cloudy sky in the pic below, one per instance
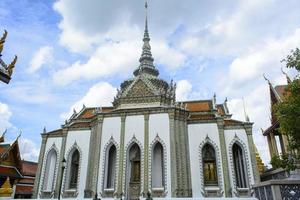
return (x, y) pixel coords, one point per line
(74, 52)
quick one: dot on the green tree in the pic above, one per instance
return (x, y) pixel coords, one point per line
(288, 115)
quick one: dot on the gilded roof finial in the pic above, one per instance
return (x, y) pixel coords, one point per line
(11, 66)
(2, 41)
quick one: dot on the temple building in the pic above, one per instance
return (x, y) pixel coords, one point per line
(147, 143)
(16, 175)
(277, 183)
(278, 142)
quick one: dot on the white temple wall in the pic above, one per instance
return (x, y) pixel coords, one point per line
(51, 142)
(134, 126)
(82, 139)
(111, 128)
(159, 126)
(134, 130)
(197, 135)
(242, 136)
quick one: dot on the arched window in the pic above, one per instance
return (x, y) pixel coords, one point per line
(209, 165)
(111, 167)
(133, 171)
(50, 170)
(74, 169)
(239, 166)
(158, 166)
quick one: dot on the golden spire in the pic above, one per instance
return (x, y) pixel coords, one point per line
(259, 162)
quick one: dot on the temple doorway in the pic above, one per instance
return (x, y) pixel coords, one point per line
(134, 172)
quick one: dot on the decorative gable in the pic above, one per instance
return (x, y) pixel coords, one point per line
(139, 89)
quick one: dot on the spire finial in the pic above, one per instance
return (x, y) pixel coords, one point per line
(146, 33)
(146, 13)
(146, 59)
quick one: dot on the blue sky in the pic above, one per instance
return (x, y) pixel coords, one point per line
(73, 52)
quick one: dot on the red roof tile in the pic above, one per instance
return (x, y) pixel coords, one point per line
(281, 90)
(29, 168)
(9, 171)
(24, 189)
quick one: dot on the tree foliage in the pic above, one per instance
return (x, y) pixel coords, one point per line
(293, 60)
(288, 114)
(284, 161)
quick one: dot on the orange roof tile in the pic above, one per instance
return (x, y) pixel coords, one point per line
(88, 113)
(197, 106)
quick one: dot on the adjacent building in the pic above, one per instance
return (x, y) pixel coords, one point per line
(278, 142)
(16, 175)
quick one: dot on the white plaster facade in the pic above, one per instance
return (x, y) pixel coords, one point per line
(159, 130)
(197, 135)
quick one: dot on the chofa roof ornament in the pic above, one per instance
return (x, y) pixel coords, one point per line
(6, 71)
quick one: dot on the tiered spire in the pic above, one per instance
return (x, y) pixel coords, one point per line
(146, 59)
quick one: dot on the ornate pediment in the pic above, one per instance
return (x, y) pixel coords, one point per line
(138, 89)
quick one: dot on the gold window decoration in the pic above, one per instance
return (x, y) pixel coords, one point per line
(209, 165)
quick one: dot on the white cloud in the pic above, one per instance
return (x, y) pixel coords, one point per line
(31, 93)
(86, 23)
(264, 58)
(5, 115)
(183, 90)
(168, 56)
(235, 32)
(42, 56)
(107, 60)
(100, 94)
(28, 149)
(116, 58)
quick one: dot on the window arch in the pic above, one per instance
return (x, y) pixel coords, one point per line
(50, 170)
(209, 165)
(73, 170)
(239, 166)
(158, 166)
(110, 168)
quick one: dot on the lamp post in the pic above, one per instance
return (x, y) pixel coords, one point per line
(62, 175)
